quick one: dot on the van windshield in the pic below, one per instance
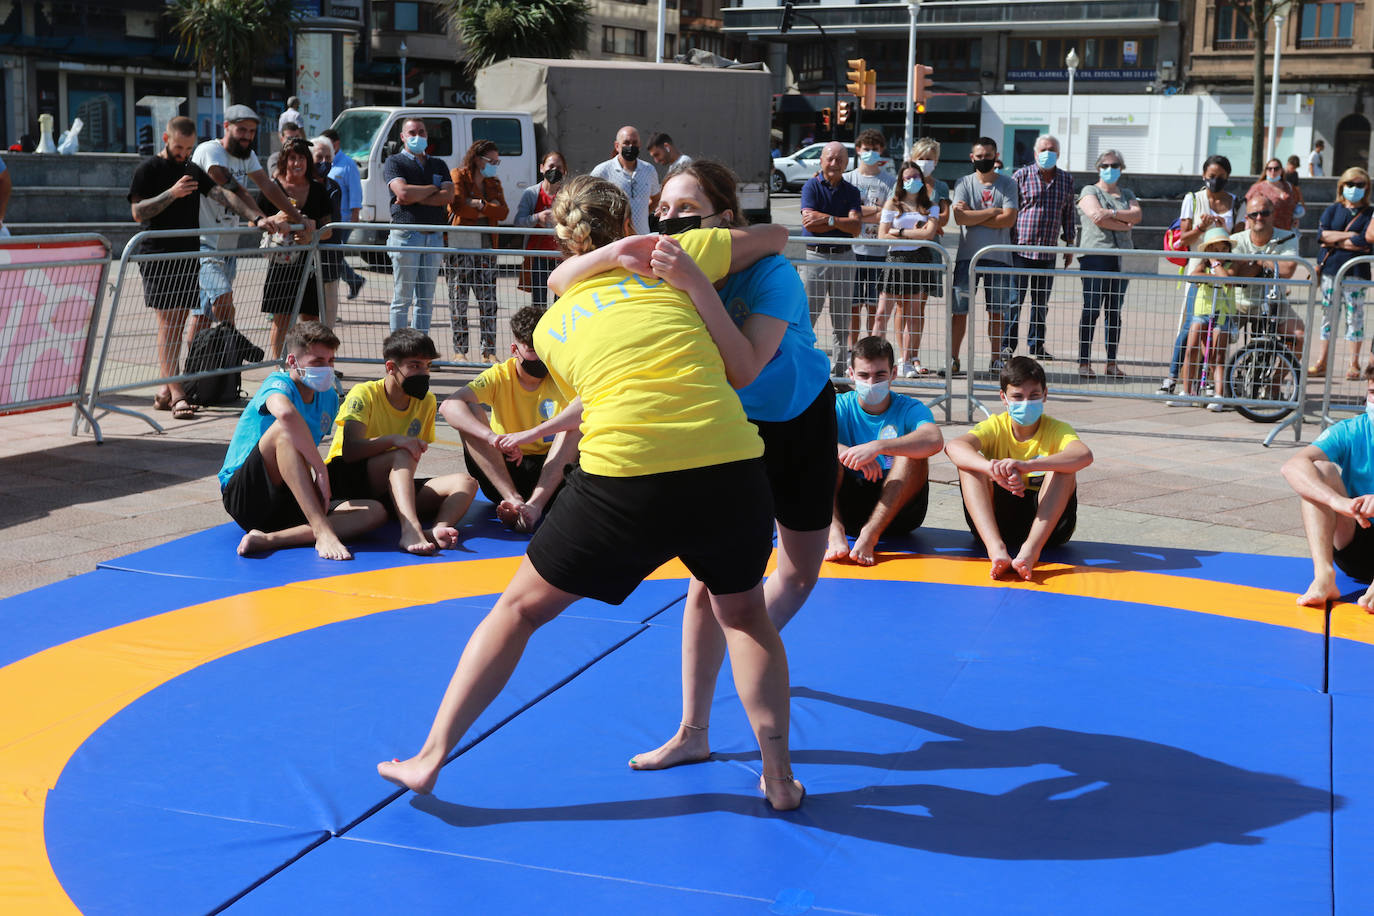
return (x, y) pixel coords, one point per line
(356, 130)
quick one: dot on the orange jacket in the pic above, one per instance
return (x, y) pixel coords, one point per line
(466, 188)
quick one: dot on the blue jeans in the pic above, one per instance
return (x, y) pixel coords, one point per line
(1101, 295)
(1181, 340)
(413, 275)
(346, 273)
(1038, 285)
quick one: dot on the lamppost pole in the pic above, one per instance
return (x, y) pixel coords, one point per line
(914, 6)
(403, 72)
(1070, 61)
(1272, 140)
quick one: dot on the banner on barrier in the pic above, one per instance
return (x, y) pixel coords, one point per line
(49, 294)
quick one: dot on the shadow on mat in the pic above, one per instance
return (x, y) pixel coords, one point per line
(1124, 797)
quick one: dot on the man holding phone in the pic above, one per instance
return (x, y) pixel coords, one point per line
(420, 194)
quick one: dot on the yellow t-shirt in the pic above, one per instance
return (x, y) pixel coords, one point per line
(654, 394)
(367, 403)
(513, 408)
(996, 442)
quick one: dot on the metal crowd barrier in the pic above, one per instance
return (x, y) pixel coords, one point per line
(51, 291)
(155, 288)
(1342, 394)
(913, 330)
(1265, 378)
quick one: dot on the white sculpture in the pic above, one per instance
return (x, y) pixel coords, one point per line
(67, 143)
(45, 144)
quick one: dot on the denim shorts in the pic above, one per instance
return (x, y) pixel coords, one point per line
(998, 289)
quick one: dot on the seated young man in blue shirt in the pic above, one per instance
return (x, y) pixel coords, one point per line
(1335, 478)
(885, 442)
(273, 482)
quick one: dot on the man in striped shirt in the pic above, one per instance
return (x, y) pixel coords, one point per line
(1046, 215)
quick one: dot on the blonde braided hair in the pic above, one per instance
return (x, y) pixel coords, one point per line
(589, 213)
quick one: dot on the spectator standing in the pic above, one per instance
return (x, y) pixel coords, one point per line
(831, 209)
(420, 189)
(1344, 229)
(291, 130)
(1290, 174)
(535, 211)
(925, 152)
(165, 194)
(295, 176)
(984, 206)
(624, 170)
(1046, 214)
(910, 215)
(1283, 198)
(1109, 213)
(875, 186)
(291, 115)
(478, 200)
(665, 153)
(331, 258)
(229, 161)
(1315, 165)
(344, 170)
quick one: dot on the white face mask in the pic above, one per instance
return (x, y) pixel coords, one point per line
(317, 378)
(872, 394)
(926, 165)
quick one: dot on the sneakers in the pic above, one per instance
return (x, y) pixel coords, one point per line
(1006, 354)
(1209, 390)
(1042, 354)
(1214, 407)
(913, 369)
(954, 371)
(1167, 387)
(355, 283)
(1178, 403)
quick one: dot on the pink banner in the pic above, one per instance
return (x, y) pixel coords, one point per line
(45, 317)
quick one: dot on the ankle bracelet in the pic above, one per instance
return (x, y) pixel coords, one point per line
(695, 728)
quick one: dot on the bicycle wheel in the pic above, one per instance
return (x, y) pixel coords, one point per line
(1263, 372)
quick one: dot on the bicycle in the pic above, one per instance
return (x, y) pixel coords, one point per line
(1264, 369)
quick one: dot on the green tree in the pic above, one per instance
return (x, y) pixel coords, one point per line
(232, 36)
(493, 30)
(1256, 15)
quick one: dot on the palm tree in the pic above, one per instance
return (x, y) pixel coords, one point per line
(493, 30)
(234, 36)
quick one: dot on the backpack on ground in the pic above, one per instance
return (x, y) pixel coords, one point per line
(218, 347)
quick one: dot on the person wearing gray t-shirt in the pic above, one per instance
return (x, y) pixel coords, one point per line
(875, 186)
(984, 207)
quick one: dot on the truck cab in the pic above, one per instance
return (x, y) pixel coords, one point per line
(370, 135)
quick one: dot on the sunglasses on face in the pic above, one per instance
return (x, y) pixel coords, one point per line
(1354, 184)
(1273, 168)
(1260, 214)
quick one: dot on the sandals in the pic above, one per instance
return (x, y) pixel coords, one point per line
(162, 400)
(183, 410)
(1318, 369)
(1354, 374)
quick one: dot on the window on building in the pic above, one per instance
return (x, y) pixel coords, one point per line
(1232, 32)
(1327, 24)
(405, 16)
(622, 41)
(1093, 53)
(99, 102)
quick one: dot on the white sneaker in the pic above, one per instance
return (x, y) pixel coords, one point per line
(1215, 407)
(1178, 403)
(905, 370)
(1209, 391)
(1168, 386)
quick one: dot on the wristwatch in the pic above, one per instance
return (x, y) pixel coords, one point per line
(831, 220)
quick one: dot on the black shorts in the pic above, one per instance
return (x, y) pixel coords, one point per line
(866, 278)
(170, 285)
(525, 476)
(1016, 514)
(858, 497)
(1356, 559)
(605, 535)
(904, 279)
(801, 458)
(349, 480)
(279, 290)
(254, 501)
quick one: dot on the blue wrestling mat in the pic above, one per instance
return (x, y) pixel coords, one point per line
(1138, 731)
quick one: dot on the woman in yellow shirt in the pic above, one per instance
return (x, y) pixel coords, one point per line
(665, 451)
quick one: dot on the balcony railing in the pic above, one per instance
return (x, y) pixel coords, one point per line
(1233, 44)
(962, 13)
(1305, 44)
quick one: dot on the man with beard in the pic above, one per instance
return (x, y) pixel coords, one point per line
(229, 161)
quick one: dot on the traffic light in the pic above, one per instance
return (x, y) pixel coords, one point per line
(842, 116)
(788, 14)
(921, 86)
(857, 76)
(825, 118)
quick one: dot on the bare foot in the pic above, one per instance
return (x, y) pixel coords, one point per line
(1366, 600)
(1023, 567)
(413, 541)
(409, 774)
(1001, 562)
(1322, 591)
(783, 794)
(863, 550)
(509, 514)
(329, 547)
(445, 537)
(529, 516)
(838, 550)
(254, 541)
(687, 746)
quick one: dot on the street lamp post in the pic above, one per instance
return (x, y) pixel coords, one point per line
(1070, 61)
(914, 6)
(403, 72)
(1272, 139)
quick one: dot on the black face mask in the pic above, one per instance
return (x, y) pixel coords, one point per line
(1215, 184)
(629, 152)
(553, 176)
(674, 225)
(415, 386)
(985, 165)
(534, 367)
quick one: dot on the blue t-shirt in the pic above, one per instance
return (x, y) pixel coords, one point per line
(1340, 218)
(1350, 445)
(319, 416)
(819, 195)
(794, 376)
(855, 425)
(432, 171)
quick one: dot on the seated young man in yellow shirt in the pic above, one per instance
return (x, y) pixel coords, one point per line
(1018, 473)
(387, 424)
(519, 473)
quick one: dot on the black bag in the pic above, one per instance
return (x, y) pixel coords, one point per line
(218, 347)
